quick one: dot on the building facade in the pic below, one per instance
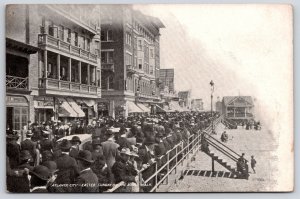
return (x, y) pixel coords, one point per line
(130, 60)
(166, 77)
(238, 107)
(63, 70)
(185, 99)
(197, 105)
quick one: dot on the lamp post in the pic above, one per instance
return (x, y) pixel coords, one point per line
(211, 103)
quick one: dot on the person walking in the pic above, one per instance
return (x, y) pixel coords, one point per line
(253, 163)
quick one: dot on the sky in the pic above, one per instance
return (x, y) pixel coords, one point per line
(244, 49)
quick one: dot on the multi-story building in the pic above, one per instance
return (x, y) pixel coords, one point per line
(130, 60)
(61, 77)
(185, 99)
(166, 77)
(197, 104)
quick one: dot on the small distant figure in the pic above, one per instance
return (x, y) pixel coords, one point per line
(253, 163)
(224, 137)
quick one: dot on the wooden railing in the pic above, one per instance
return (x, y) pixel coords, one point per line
(16, 82)
(45, 39)
(47, 83)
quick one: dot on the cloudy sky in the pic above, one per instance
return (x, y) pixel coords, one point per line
(244, 49)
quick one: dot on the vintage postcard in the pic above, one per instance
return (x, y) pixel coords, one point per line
(149, 98)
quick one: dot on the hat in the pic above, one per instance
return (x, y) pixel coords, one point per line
(12, 134)
(51, 165)
(109, 132)
(86, 156)
(65, 144)
(29, 133)
(25, 155)
(243, 154)
(75, 139)
(42, 172)
(122, 130)
(125, 151)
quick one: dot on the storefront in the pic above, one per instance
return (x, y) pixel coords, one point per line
(43, 109)
(17, 112)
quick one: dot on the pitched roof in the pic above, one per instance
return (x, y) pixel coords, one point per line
(228, 99)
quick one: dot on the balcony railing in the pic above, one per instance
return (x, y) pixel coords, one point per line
(150, 96)
(16, 82)
(48, 83)
(108, 66)
(48, 40)
(131, 69)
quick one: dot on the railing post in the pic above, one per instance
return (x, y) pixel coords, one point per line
(182, 151)
(212, 164)
(176, 156)
(156, 174)
(168, 167)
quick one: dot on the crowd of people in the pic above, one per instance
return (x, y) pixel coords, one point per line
(119, 149)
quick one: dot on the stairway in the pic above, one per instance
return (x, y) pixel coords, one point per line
(223, 155)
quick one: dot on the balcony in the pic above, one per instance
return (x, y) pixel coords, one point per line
(13, 82)
(147, 96)
(108, 67)
(59, 87)
(45, 40)
(131, 69)
(74, 16)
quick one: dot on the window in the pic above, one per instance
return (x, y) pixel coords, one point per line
(128, 39)
(69, 35)
(128, 59)
(106, 35)
(152, 53)
(88, 44)
(140, 64)
(61, 32)
(135, 62)
(76, 39)
(140, 45)
(107, 57)
(151, 70)
(109, 35)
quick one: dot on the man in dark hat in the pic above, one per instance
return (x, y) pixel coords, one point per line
(122, 138)
(86, 175)
(39, 178)
(25, 160)
(29, 145)
(46, 144)
(66, 165)
(75, 141)
(123, 170)
(110, 151)
(12, 148)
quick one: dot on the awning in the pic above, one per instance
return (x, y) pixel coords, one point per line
(65, 110)
(77, 108)
(143, 107)
(133, 108)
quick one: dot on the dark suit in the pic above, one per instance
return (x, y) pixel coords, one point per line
(87, 177)
(30, 146)
(74, 152)
(67, 171)
(46, 145)
(123, 142)
(123, 172)
(13, 153)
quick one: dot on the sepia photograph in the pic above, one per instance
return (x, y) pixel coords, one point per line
(148, 98)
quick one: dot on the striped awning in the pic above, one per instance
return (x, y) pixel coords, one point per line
(77, 108)
(65, 110)
(133, 108)
(143, 107)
